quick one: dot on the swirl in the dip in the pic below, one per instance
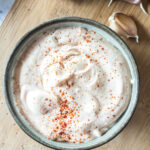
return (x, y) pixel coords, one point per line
(72, 84)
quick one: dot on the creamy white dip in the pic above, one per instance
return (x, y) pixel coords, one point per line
(72, 84)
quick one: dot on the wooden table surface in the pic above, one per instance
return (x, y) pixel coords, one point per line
(26, 14)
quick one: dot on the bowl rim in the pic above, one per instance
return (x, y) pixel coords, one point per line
(50, 22)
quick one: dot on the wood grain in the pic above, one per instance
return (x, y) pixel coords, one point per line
(26, 14)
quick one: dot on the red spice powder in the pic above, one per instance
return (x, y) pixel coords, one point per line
(87, 56)
(88, 41)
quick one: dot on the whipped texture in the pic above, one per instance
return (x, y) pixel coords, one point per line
(72, 84)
